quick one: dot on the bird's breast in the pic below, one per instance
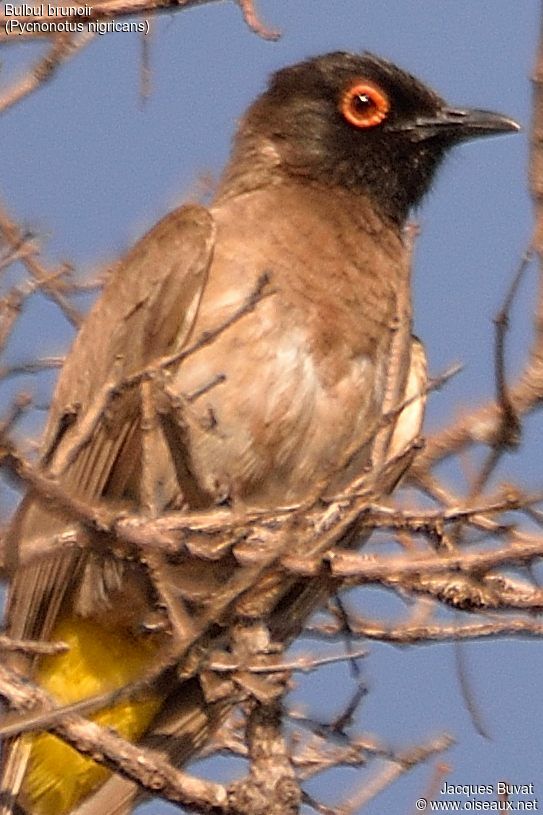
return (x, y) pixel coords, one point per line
(283, 394)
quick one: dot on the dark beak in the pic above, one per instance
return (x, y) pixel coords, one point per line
(458, 125)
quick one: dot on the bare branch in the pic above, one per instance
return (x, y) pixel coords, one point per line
(63, 48)
(20, 28)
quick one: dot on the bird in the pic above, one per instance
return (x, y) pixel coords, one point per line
(268, 318)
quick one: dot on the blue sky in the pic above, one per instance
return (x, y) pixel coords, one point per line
(90, 167)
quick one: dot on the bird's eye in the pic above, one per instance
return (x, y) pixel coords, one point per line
(363, 104)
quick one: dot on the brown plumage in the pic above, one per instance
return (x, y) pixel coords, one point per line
(325, 167)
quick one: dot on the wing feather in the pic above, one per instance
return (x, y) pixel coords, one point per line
(146, 311)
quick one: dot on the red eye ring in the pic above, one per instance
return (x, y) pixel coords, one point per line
(363, 104)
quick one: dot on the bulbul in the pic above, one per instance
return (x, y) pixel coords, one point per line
(325, 167)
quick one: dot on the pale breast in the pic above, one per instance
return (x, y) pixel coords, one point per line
(282, 396)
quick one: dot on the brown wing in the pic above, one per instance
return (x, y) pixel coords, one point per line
(147, 310)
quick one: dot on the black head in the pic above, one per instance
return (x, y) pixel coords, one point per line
(359, 122)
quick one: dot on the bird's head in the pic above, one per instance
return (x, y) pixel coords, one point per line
(358, 122)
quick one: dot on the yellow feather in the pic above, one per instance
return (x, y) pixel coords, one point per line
(98, 660)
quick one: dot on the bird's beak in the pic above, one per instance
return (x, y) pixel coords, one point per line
(456, 124)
